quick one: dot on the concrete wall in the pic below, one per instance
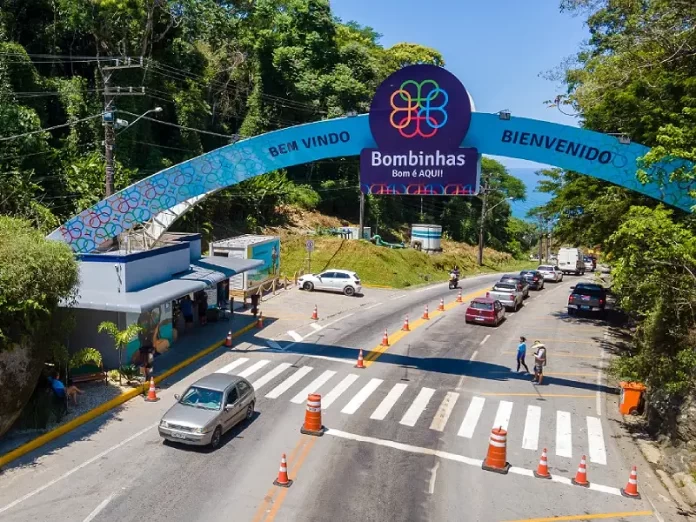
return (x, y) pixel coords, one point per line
(101, 276)
(146, 271)
(85, 334)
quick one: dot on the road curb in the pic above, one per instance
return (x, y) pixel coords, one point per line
(111, 404)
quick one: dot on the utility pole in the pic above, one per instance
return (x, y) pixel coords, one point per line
(541, 238)
(484, 208)
(109, 117)
(361, 227)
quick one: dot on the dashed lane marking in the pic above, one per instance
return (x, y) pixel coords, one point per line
(295, 336)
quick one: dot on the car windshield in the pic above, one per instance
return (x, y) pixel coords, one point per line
(592, 292)
(505, 286)
(547, 268)
(481, 306)
(202, 398)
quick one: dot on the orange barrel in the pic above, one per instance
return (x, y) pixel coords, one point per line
(496, 459)
(312, 424)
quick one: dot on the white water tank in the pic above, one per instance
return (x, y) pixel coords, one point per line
(427, 237)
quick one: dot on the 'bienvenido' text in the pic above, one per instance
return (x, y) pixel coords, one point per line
(559, 145)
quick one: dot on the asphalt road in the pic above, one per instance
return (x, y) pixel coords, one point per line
(405, 437)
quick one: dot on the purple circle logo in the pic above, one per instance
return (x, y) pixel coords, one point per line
(420, 106)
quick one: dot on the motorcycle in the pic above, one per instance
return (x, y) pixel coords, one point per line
(453, 280)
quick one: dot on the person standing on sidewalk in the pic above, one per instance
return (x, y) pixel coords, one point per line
(522, 353)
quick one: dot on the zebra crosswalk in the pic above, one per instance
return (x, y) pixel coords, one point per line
(354, 392)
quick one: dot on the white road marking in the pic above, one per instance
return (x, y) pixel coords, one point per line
(530, 439)
(399, 297)
(327, 358)
(564, 436)
(288, 383)
(254, 368)
(341, 387)
(595, 435)
(456, 458)
(433, 477)
(295, 336)
(417, 407)
(316, 326)
(361, 396)
(228, 368)
(598, 398)
(461, 379)
(473, 413)
(272, 344)
(388, 402)
(262, 381)
(76, 469)
(502, 416)
(373, 306)
(99, 508)
(313, 387)
(444, 411)
(484, 340)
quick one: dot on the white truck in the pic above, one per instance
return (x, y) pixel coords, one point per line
(571, 261)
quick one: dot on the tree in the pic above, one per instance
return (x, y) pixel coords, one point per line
(36, 277)
(121, 339)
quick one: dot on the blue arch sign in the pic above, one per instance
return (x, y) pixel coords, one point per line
(587, 152)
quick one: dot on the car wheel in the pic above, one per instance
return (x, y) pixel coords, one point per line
(571, 311)
(250, 411)
(349, 291)
(215, 440)
(308, 286)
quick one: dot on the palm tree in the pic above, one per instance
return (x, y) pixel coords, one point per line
(121, 338)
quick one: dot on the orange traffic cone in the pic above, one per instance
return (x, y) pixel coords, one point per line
(425, 313)
(315, 314)
(360, 360)
(228, 339)
(385, 338)
(543, 468)
(496, 459)
(312, 424)
(283, 480)
(581, 476)
(631, 489)
(459, 297)
(259, 321)
(151, 393)
(406, 327)
(441, 308)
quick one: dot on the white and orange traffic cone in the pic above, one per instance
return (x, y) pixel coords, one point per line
(631, 489)
(315, 314)
(496, 458)
(228, 339)
(385, 338)
(441, 308)
(283, 480)
(406, 327)
(542, 470)
(151, 393)
(361, 363)
(259, 321)
(425, 313)
(581, 476)
(459, 297)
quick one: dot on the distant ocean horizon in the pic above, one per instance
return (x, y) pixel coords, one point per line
(534, 199)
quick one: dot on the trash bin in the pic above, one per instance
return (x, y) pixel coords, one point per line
(631, 395)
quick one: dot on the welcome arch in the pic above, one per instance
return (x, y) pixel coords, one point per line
(157, 201)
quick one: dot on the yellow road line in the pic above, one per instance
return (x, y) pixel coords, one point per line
(570, 341)
(557, 374)
(552, 355)
(541, 395)
(378, 350)
(595, 516)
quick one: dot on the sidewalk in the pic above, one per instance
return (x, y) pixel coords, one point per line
(188, 346)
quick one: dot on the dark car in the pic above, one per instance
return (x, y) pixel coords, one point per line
(519, 280)
(587, 297)
(483, 310)
(534, 278)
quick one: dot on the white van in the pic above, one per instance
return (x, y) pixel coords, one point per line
(571, 261)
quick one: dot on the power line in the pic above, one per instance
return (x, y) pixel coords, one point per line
(228, 136)
(69, 124)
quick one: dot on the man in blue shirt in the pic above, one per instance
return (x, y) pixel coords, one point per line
(522, 353)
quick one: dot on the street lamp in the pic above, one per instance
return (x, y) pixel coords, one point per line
(125, 124)
(484, 213)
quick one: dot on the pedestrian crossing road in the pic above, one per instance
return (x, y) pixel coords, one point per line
(352, 393)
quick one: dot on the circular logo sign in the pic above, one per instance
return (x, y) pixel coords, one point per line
(420, 106)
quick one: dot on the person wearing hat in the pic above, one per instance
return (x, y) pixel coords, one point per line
(539, 362)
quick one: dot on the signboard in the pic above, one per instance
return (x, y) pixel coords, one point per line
(269, 253)
(419, 118)
(309, 245)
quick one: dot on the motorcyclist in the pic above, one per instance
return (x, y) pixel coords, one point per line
(455, 272)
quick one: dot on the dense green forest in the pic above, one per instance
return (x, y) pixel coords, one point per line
(637, 76)
(220, 71)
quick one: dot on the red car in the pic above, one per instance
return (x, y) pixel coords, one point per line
(484, 310)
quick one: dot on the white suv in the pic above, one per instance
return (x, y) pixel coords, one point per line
(342, 281)
(551, 273)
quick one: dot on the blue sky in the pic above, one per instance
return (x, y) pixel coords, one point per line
(497, 48)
